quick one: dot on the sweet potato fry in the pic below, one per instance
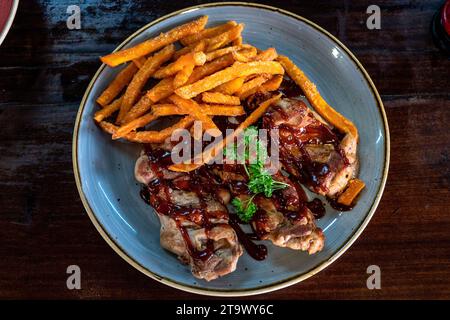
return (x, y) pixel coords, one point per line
(222, 110)
(210, 154)
(133, 125)
(237, 41)
(248, 86)
(117, 85)
(160, 91)
(316, 100)
(151, 45)
(211, 67)
(241, 57)
(149, 136)
(139, 62)
(108, 127)
(220, 98)
(231, 86)
(212, 44)
(224, 38)
(354, 187)
(160, 136)
(221, 52)
(272, 84)
(208, 33)
(195, 58)
(141, 77)
(230, 73)
(197, 113)
(195, 47)
(108, 110)
(183, 75)
(267, 55)
(211, 110)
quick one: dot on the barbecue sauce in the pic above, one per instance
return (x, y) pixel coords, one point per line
(157, 193)
(310, 173)
(256, 251)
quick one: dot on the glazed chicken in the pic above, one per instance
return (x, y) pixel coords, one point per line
(194, 220)
(192, 207)
(285, 219)
(310, 150)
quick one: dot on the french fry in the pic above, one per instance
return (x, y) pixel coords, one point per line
(273, 83)
(195, 47)
(248, 86)
(267, 55)
(108, 127)
(208, 33)
(139, 62)
(231, 86)
(160, 136)
(160, 91)
(108, 110)
(211, 153)
(151, 45)
(316, 100)
(117, 85)
(211, 44)
(211, 110)
(183, 75)
(237, 41)
(210, 68)
(354, 188)
(245, 55)
(195, 58)
(197, 113)
(133, 125)
(141, 77)
(270, 85)
(223, 110)
(240, 57)
(223, 51)
(224, 38)
(220, 98)
(230, 73)
(149, 136)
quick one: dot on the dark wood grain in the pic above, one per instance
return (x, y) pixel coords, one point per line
(45, 68)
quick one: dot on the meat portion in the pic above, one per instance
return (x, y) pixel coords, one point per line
(194, 218)
(284, 219)
(310, 150)
(297, 232)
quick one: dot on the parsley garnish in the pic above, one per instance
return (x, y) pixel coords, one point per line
(244, 209)
(260, 181)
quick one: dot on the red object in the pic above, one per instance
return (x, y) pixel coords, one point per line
(445, 17)
(5, 10)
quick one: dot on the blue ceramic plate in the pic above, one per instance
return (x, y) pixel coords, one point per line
(104, 168)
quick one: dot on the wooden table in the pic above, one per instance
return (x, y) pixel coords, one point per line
(45, 68)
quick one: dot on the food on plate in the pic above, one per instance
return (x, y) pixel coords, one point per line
(220, 98)
(212, 84)
(151, 45)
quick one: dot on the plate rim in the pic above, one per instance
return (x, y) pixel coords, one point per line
(265, 288)
(9, 21)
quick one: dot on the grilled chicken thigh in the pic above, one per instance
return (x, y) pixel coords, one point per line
(284, 219)
(194, 220)
(310, 150)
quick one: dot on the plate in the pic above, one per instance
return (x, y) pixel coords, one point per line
(8, 10)
(104, 168)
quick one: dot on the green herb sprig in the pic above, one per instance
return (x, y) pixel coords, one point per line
(260, 181)
(245, 209)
